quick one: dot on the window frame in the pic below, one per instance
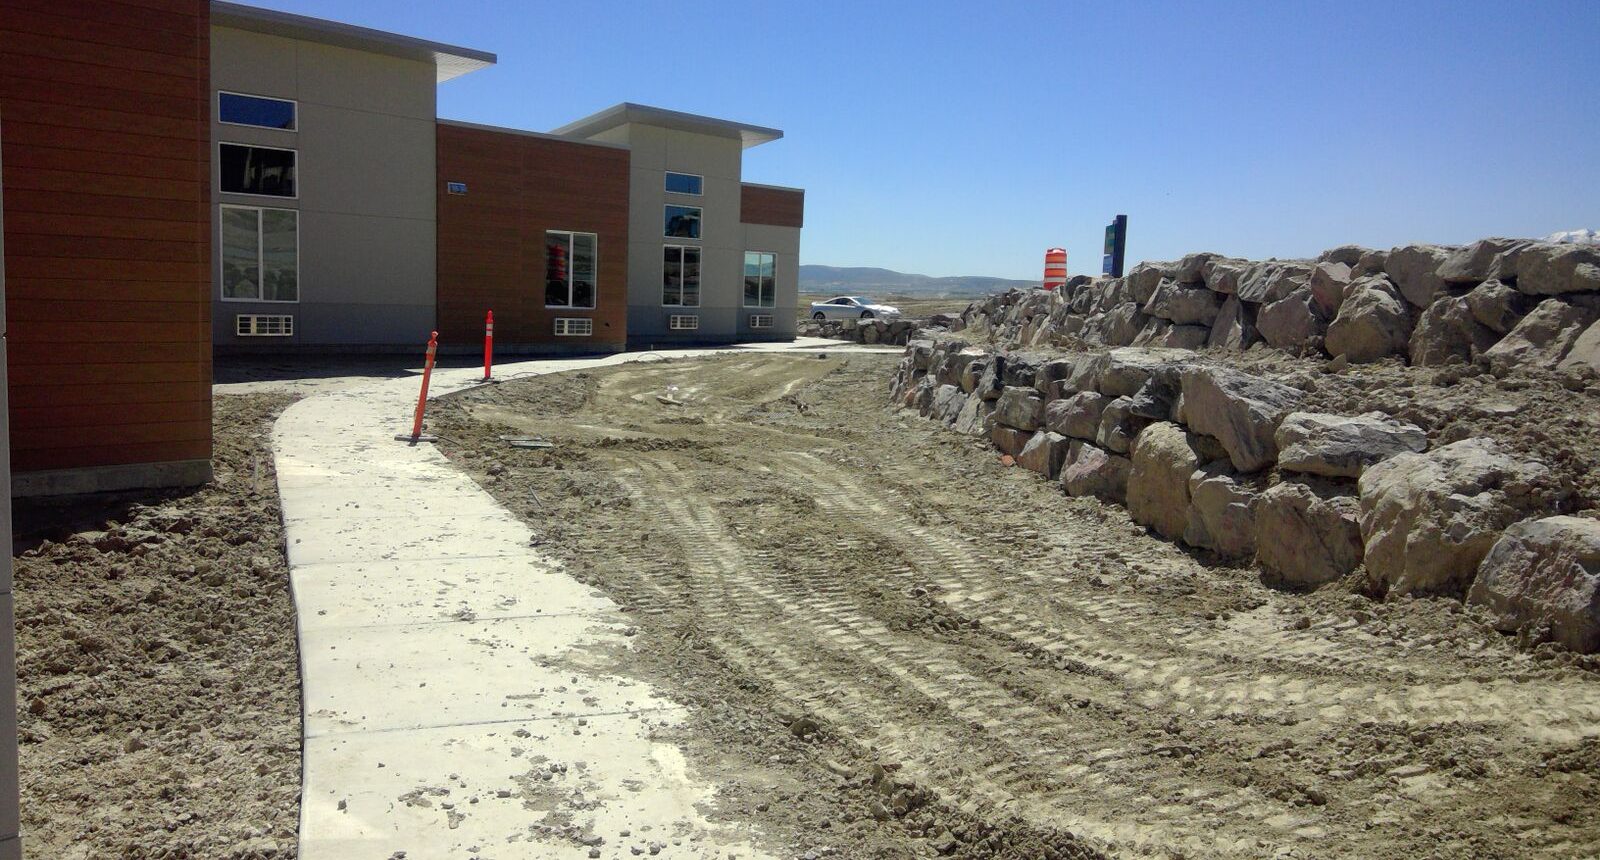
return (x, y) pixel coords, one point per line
(294, 102)
(295, 150)
(699, 176)
(261, 250)
(570, 234)
(699, 221)
(567, 323)
(774, 305)
(699, 270)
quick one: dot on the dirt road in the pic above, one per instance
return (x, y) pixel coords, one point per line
(895, 647)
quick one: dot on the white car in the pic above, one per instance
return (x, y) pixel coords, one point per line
(851, 308)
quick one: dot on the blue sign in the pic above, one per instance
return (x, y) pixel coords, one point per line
(456, 187)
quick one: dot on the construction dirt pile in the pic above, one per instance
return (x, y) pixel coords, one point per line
(894, 646)
(158, 678)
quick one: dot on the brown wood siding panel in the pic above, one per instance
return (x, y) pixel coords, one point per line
(774, 206)
(105, 129)
(198, 447)
(491, 240)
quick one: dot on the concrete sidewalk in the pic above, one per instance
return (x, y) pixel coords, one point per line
(463, 697)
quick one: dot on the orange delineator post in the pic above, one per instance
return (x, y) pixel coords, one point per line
(427, 373)
(488, 345)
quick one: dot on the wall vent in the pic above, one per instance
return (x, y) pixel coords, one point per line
(263, 325)
(761, 320)
(683, 322)
(574, 326)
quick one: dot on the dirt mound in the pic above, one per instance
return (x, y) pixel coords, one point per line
(894, 647)
(158, 677)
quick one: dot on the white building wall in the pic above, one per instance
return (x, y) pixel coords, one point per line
(366, 179)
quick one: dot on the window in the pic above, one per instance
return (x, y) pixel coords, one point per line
(680, 276)
(759, 291)
(260, 254)
(761, 320)
(683, 222)
(683, 322)
(683, 183)
(574, 326)
(240, 109)
(257, 170)
(569, 269)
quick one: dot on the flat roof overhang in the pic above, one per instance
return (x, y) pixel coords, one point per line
(449, 61)
(627, 112)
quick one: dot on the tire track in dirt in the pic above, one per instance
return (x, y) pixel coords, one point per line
(1170, 710)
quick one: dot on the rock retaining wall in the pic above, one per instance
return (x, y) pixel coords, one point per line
(1501, 302)
(1230, 462)
(896, 332)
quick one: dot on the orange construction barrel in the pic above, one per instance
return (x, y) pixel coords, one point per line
(1055, 268)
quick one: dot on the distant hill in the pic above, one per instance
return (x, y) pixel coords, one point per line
(852, 279)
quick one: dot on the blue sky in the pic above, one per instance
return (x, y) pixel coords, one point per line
(965, 138)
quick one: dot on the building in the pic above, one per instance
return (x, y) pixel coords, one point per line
(188, 177)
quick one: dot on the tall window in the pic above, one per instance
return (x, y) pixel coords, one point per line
(760, 289)
(683, 222)
(240, 109)
(569, 269)
(260, 170)
(683, 183)
(680, 276)
(260, 254)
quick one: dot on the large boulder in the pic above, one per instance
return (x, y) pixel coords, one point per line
(1542, 339)
(1120, 325)
(1235, 327)
(1294, 323)
(1371, 262)
(1584, 356)
(1077, 416)
(1183, 303)
(1158, 487)
(1341, 446)
(1044, 454)
(1447, 331)
(1162, 333)
(1093, 471)
(1009, 440)
(947, 403)
(1021, 368)
(1271, 281)
(976, 417)
(1415, 271)
(1119, 426)
(991, 382)
(1144, 277)
(1551, 269)
(1373, 322)
(1542, 577)
(1239, 410)
(1496, 306)
(1349, 255)
(1329, 283)
(1221, 518)
(1428, 519)
(1191, 269)
(1126, 370)
(1020, 407)
(1479, 261)
(1222, 274)
(1306, 534)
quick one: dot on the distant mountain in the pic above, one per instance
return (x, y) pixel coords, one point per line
(851, 279)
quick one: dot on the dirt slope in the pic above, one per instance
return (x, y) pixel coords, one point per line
(896, 647)
(158, 677)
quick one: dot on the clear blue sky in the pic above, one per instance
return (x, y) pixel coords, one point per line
(965, 138)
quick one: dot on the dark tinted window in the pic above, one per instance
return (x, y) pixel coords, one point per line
(683, 183)
(257, 170)
(683, 222)
(255, 110)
